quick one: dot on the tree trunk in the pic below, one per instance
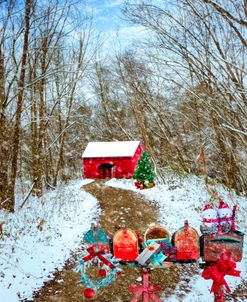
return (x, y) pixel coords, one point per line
(3, 140)
(41, 131)
(34, 122)
(70, 103)
(16, 138)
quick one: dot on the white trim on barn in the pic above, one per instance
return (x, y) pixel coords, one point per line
(110, 149)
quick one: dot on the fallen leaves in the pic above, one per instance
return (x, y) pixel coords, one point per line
(40, 225)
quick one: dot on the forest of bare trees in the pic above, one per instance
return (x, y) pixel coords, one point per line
(181, 89)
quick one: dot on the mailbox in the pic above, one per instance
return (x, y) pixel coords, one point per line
(97, 238)
(213, 245)
(125, 245)
(156, 233)
(186, 240)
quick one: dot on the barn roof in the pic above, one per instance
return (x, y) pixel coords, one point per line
(110, 149)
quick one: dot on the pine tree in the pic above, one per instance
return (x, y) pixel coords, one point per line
(144, 171)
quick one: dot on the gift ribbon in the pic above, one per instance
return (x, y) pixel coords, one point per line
(93, 253)
(145, 290)
(217, 271)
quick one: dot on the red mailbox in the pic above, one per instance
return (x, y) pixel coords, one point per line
(125, 245)
(213, 245)
(186, 240)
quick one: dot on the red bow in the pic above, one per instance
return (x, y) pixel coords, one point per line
(93, 253)
(145, 290)
(218, 270)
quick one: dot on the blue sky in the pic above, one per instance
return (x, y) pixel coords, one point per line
(109, 21)
(107, 14)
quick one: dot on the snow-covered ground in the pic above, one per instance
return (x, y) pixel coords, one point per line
(184, 199)
(28, 256)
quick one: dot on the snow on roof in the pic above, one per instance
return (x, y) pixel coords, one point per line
(110, 149)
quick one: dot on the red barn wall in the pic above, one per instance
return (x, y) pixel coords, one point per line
(135, 158)
(124, 166)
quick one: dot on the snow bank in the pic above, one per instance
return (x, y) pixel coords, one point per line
(40, 237)
(184, 199)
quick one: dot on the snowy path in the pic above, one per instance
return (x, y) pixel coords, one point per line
(122, 207)
(118, 207)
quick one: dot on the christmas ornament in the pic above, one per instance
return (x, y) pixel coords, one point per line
(186, 240)
(89, 293)
(210, 221)
(125, 245)
(201, 156)
(146, 183)
(146, 291)
(102, 272)
(226, 217)
(217, 271)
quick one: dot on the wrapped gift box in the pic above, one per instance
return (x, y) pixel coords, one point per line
(148, 252)
(169, 250)
(158, 259)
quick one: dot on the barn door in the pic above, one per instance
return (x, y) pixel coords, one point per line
(106, 170)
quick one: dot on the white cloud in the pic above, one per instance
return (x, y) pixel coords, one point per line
(115, 41)
(114, 3)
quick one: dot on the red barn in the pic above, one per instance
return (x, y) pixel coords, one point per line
(111, 159)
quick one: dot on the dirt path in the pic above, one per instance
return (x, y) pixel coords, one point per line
(124, 208)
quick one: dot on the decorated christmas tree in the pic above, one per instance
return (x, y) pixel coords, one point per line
(144, 174)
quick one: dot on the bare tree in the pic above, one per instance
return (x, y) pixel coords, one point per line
(77, 74)
(20, 96)
(3, 136)
(41, 65)
(201, 46)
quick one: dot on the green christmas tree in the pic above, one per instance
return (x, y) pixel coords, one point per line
(144, 171)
